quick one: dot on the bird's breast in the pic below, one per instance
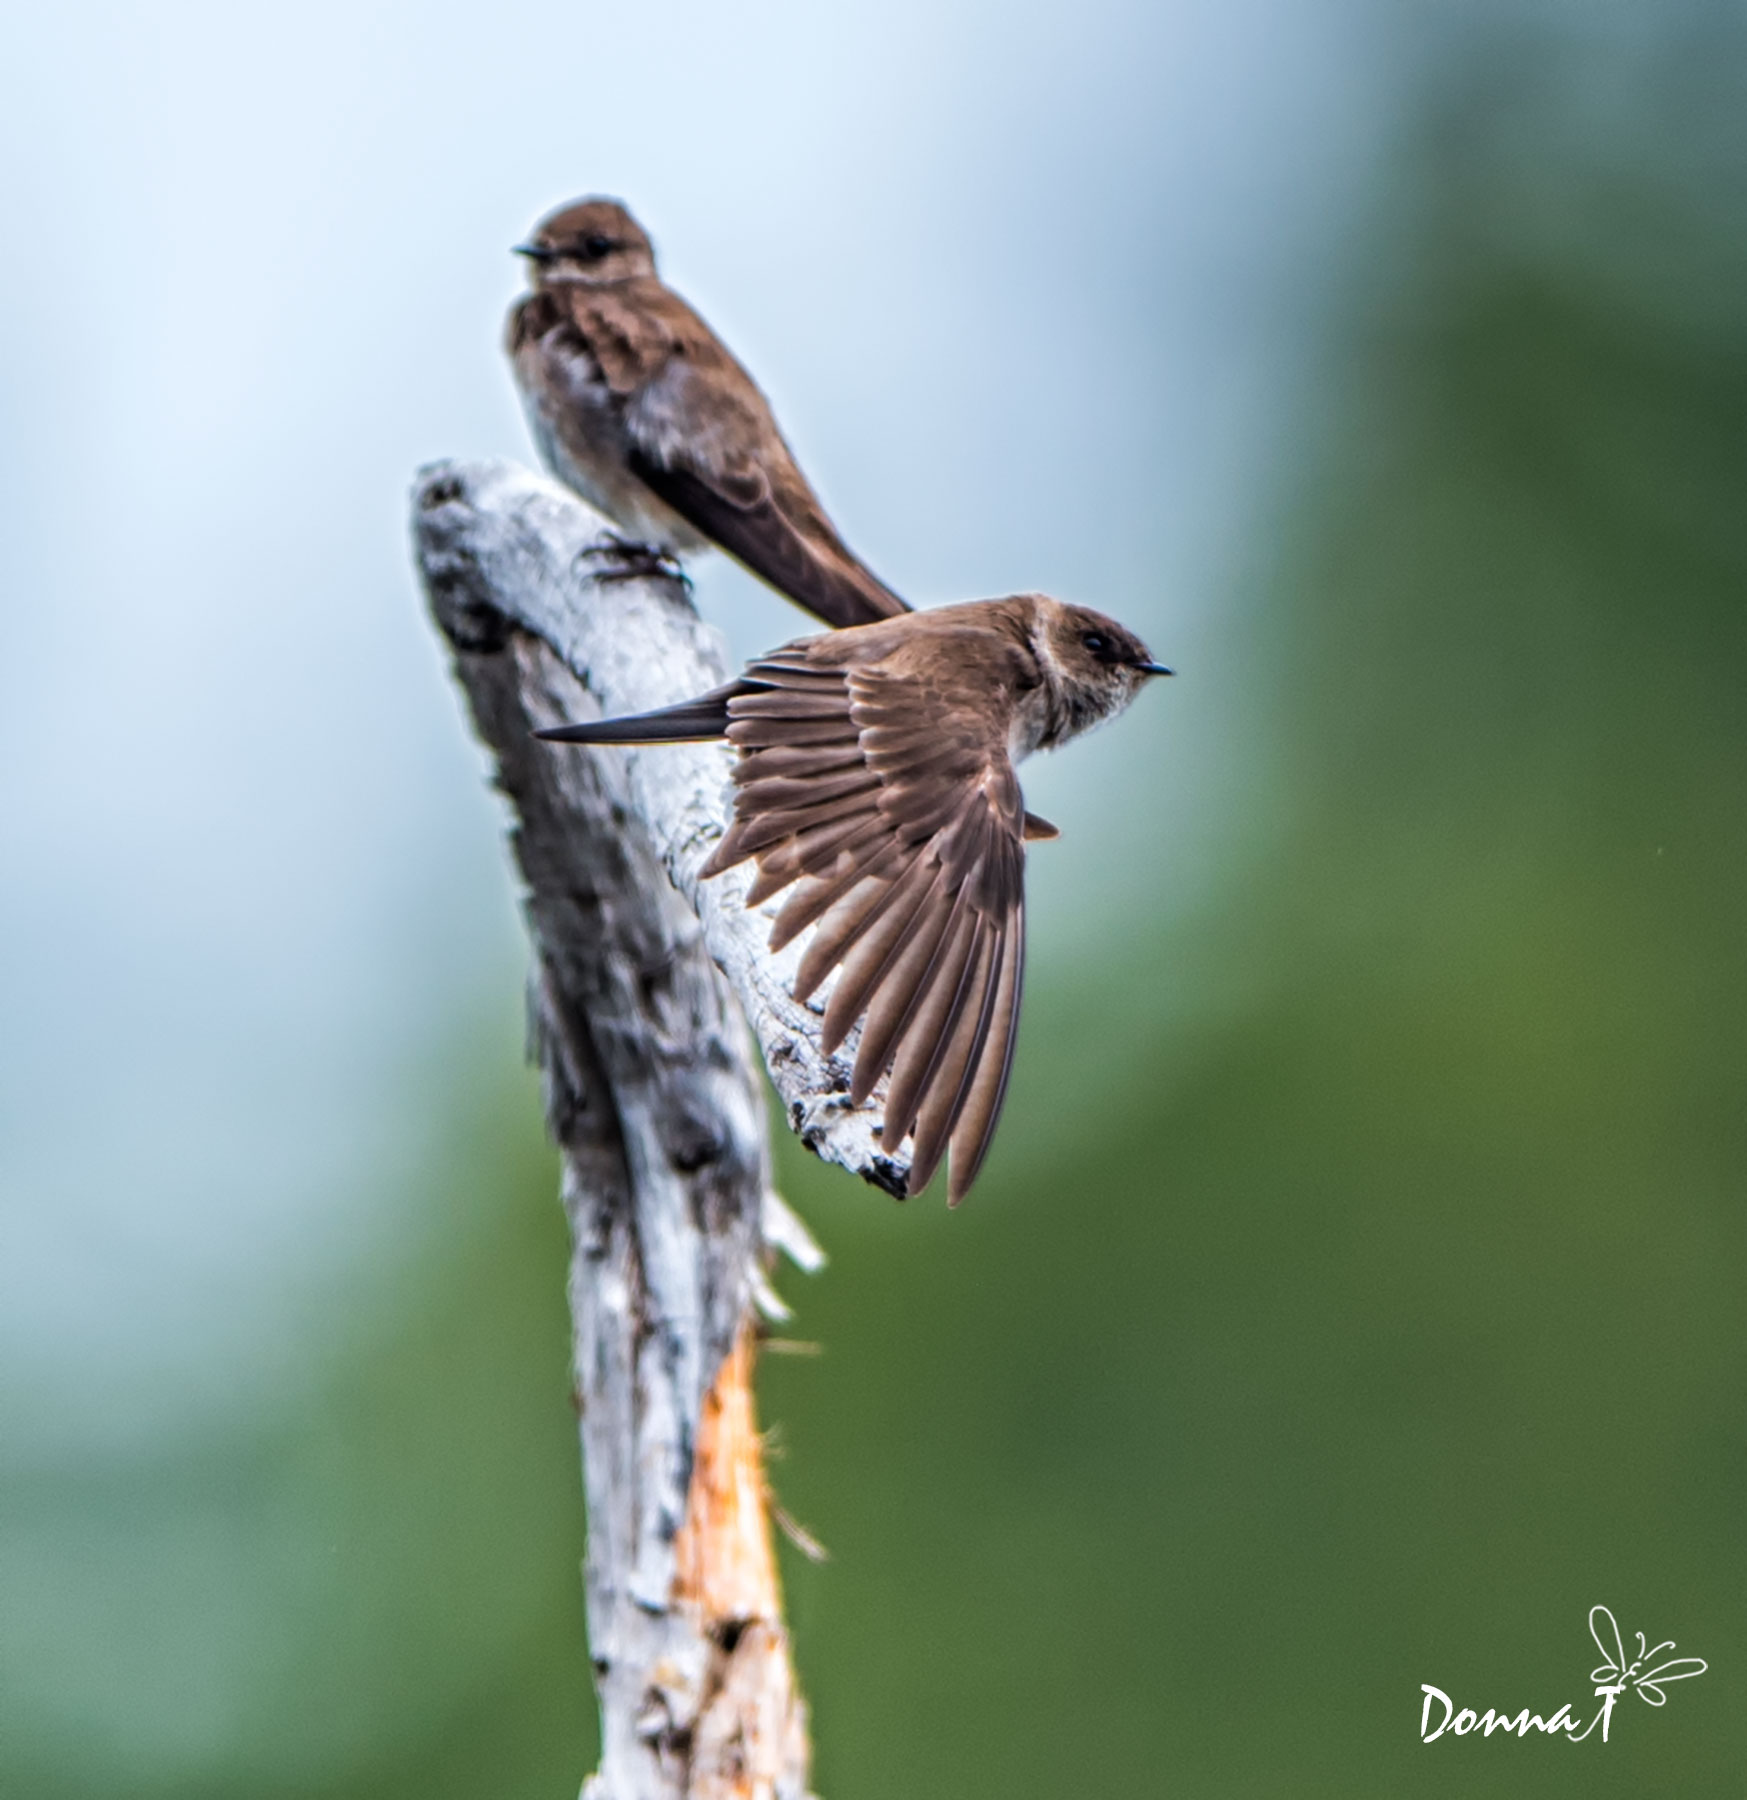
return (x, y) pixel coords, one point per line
(578, 427)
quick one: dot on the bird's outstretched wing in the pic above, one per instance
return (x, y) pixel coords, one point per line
(884, 795)
(703, 440)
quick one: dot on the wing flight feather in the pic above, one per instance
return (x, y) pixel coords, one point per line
(900, 830)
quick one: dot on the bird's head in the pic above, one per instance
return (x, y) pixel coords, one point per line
(1092, 666)
(593, 241)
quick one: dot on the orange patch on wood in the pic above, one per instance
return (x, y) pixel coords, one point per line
(723, 1560)
(750, 1738)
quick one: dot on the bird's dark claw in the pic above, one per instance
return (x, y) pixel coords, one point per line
(619, 559)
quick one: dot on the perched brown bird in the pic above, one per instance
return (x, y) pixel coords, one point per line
(876, 770)
(638, 405)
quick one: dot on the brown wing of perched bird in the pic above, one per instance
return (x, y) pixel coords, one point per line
(770, 520)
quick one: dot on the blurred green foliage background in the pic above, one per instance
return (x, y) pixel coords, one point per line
(1355, 1295)
(1368, 1330)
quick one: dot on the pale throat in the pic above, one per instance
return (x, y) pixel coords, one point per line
(1061, 706)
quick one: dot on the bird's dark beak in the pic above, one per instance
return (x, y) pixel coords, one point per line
(538, 252)
(1151, 669)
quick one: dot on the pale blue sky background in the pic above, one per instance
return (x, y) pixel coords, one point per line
(1034, 290)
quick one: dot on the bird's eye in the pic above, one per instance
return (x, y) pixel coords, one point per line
(594, 246)
(1096, 642)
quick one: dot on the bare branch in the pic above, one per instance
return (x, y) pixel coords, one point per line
(655, 1103)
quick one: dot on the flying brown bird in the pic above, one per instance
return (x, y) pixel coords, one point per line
(636, 404)
(876, 771)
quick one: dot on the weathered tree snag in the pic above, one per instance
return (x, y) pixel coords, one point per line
(641, 976)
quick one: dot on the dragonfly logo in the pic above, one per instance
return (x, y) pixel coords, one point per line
(1645, 1675)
